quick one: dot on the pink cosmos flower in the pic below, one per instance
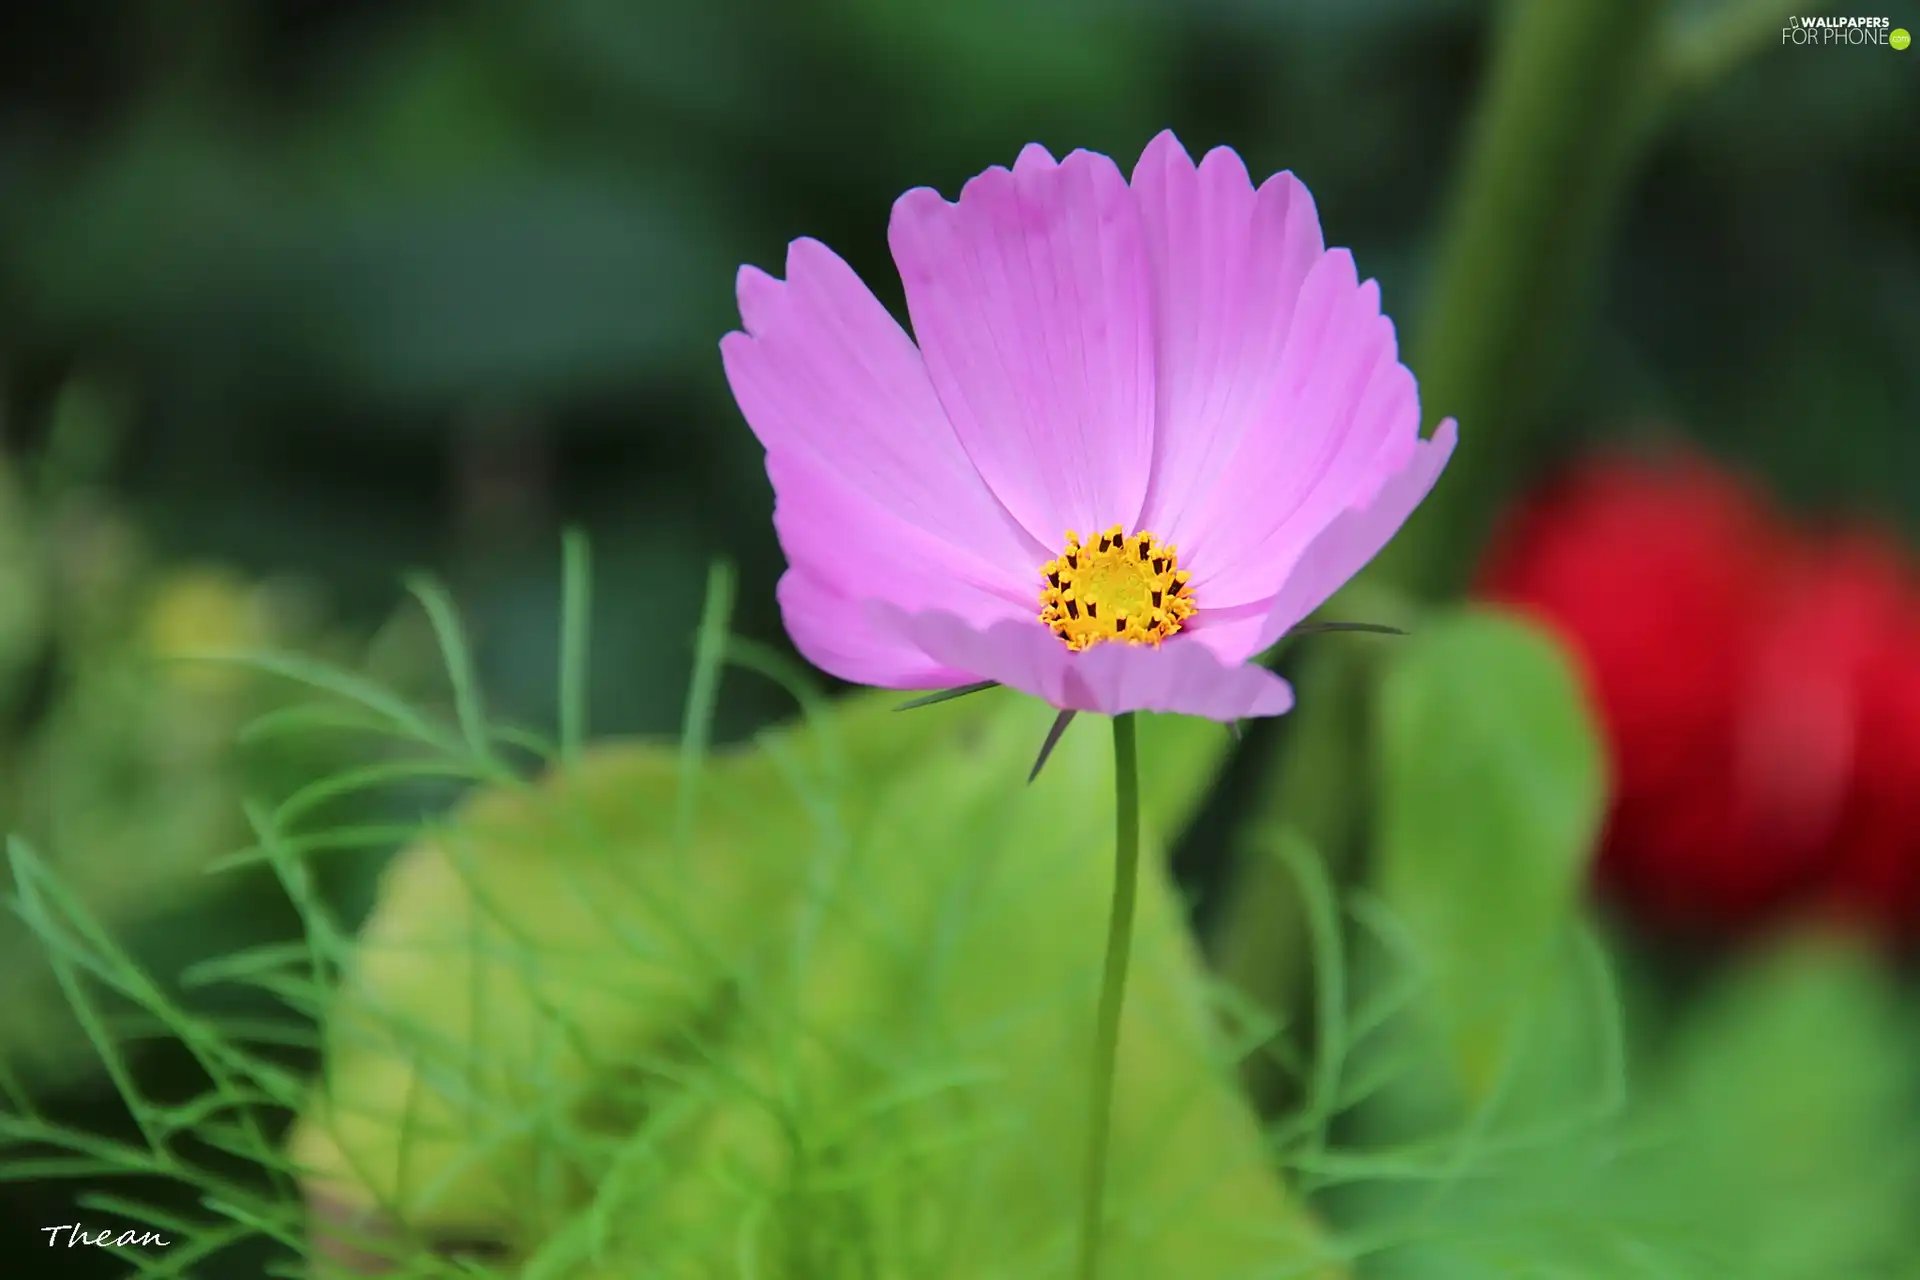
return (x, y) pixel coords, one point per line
(1147, 428)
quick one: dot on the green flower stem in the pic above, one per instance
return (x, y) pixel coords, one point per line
(1113, 985)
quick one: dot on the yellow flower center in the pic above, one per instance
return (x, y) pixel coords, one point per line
(1116, 588)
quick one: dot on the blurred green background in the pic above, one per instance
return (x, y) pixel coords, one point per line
(383, 285)
(295, 296)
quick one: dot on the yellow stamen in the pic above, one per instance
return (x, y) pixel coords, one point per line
(1120, 587)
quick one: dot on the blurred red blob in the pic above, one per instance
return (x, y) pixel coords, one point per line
(1760, 694)
(1870, 610)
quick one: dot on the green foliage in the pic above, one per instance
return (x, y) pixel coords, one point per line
(820, 1005)
(1470, 1032)
(118, 756)
(844, 1030)
(1790, 1113)
(1774, 1142)
(1491, 793)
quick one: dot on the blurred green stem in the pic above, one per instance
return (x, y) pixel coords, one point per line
(1564, 115)
(1569, 104)
(1704, 46)
(1113, 986)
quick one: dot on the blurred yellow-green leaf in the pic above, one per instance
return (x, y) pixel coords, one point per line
(876, 1050)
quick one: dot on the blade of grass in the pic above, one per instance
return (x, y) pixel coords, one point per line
(322, 937)
(703, 692)
(366, 778)
(369, 694)
(467, 704)
(1330, 982)
(32, 876)
(576, 617)
(14, 1090)
(28, 873)
(534, 744)
(815, 706)
(245, 962)
(310, 717)
(347, 839)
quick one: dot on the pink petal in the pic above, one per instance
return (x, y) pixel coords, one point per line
(834, 633)
(829, 382)
(861, 550)
(1355, 537)
(1180, 676)
(1029, 298)
(1279, 388)
(1346, 415)
(1233, 633)
(1227, 269)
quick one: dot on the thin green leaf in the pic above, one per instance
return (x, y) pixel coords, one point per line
(703, 692)
(576, 619)
(947, 695)
(454, 652)
(1059, 727)
(372, 696)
